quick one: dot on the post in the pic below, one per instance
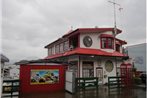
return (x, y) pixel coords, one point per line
(115, 27)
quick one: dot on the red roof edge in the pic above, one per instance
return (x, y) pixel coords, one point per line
(92, 30)
(106, 35)
(85, 51)
(121, 41)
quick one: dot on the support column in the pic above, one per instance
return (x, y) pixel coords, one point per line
(79, 65)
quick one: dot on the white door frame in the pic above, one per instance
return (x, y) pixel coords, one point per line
(99, 74)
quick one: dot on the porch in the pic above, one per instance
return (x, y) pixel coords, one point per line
(93, 66)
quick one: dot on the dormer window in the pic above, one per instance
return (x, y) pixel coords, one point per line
(107, 41)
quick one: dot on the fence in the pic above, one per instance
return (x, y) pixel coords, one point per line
(10, 88)
(115, 83)
(83, 83)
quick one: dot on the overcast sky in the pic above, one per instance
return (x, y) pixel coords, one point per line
(29, 25)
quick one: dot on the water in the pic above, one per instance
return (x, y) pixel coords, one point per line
(102, 92)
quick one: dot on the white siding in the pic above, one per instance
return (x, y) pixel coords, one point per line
(103, 61)
(108, 74)
(95, 39)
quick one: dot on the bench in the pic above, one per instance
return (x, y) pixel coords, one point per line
(83, 83)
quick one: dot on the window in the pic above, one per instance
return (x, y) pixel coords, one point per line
(87, 41)
(49, 51)
(104, 42)
(117, 47)
(73, 42)
(88, 69)
(57, 49)
(109, 66)
(52, 50)
(66, 46)
(74, 66)
(61, 48)
(107, 43)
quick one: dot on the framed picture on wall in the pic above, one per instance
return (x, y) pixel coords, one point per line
(44, 76)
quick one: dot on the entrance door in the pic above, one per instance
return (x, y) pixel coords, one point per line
(99, 74)
(88, 69)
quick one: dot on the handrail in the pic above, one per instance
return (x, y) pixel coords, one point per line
(115, 82)
(85, 82)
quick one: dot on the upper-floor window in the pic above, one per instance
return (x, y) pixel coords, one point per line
(87, 41)
(61, 47)
(107, 43)
(66, 46)
(49, 51)
(118, 47)
(52, 50)
(57, 49)
(73, 42)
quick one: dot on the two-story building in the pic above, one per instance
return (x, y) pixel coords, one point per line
(92, 52)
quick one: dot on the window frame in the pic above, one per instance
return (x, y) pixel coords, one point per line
(105, 45)
(109, 64)
(87, 69)
(66, 45)
(57, 48)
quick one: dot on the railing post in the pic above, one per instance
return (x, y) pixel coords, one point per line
(84, 84)
(12, 89)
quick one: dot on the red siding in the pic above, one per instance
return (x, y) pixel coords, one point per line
(26, 87)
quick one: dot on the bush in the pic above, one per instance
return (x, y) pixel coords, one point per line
(137, 81)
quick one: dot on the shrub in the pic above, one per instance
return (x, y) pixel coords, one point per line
(137, 80)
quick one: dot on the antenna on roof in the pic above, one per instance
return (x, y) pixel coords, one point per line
(71, 27)
(96, 26)
(115, 27)
(120, 8)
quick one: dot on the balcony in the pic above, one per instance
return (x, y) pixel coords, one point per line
(124, 51)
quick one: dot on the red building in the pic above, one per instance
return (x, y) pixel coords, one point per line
(89, 52)
(41, 77)
(94, 52)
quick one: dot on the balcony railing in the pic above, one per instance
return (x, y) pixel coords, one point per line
(125, 51)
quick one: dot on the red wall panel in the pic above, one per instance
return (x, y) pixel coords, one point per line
(26, 87)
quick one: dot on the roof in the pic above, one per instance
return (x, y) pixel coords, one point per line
(106, 35)
(4, 58)
(87, 51)
(91, 30)
(121, 41)
(85, 30)
(23, 62)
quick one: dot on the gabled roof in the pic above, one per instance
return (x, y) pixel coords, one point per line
(87, 51)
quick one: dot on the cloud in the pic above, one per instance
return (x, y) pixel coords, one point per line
(29, 25)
